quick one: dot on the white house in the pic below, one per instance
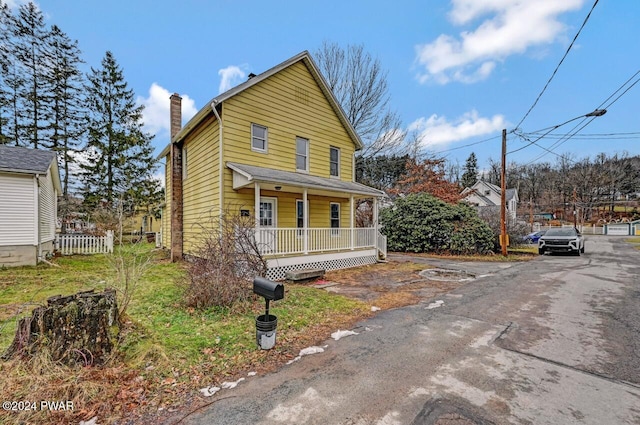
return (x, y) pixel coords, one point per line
(29, 188)
(486, 195)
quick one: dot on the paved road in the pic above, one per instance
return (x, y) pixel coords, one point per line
(552, 341)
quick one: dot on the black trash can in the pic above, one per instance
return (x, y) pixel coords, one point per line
(266, 331)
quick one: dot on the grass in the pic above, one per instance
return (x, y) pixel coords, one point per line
(167, 351)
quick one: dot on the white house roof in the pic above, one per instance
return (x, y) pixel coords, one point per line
(22, 160)
(14, 159)
(305, 57)
(509, 194)
(252, 173)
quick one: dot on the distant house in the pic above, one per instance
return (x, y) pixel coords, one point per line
(278, 148)
(29, 188)
(486, 195)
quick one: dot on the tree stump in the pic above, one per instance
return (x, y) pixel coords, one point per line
(76, 329)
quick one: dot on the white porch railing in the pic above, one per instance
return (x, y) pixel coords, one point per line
(68, 244)
(300, 241)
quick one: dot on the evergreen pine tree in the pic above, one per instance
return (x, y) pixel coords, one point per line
(33, 56)
(470, 175)
(67, 112)
(119, 153)
(8, 79)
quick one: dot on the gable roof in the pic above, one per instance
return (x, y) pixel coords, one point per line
(23, 160)
(14, 159)
(303, 57)
(509, 194)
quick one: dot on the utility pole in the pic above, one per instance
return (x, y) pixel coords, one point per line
(503, 195)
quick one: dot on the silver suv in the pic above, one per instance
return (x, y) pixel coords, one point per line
(561, 239)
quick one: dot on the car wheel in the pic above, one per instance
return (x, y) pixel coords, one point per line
(577, 252)
(582, 250)
(541, 251)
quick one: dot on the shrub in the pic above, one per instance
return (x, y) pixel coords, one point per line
(423, 223)
(226, 262)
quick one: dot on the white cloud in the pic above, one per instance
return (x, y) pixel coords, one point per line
(438, 131)
(156, 109)
(510, 27)
(230, 76)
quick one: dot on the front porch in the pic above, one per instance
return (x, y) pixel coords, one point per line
(287, 249)
(306, 221)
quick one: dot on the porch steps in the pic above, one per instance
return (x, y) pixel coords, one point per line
(304, 274)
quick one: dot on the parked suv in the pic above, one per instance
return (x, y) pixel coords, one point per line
(561, 239)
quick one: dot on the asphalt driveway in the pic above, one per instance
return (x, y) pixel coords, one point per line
(549, 341)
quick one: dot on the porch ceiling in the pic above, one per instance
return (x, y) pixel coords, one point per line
(245, 175)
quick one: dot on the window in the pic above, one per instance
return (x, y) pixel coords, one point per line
(258, 138)
(335, 219)
(300, 216)
(302, 154)
(267, 213)
(334, 161)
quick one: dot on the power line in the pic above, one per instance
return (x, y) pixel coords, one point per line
(558, 66)
(467, 145)
(602, 107)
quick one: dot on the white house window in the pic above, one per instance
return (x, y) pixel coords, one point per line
(334, 161)
(302, 154)
(258, 138)
(335, 218)
(300, 216)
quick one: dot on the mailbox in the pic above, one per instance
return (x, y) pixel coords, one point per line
(268, 289)
(266, 324)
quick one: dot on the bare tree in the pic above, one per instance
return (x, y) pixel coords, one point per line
(360, 86)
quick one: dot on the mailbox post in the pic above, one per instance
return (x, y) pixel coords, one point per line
(266, 324)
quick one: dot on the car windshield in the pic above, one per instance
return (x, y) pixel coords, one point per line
(564, 231)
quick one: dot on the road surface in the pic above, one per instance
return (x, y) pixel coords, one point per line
(552, 341)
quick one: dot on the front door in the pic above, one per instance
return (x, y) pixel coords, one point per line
(268, 223)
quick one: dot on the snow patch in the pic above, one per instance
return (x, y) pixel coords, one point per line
(341, 334)
(435, 304)
(311, 350)
(209, 391)
(92, 421)
(374, 308)
(252, 373)
(229, 385)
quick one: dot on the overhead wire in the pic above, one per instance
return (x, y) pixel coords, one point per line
(558, 66)
(604, 105)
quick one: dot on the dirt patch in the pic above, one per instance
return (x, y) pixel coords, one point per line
(388, 285)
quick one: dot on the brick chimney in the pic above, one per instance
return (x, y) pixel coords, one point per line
(175, 112)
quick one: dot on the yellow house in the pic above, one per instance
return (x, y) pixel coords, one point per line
(277, 147)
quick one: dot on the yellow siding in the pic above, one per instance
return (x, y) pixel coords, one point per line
(166, 212)
(200, 187)
(290, 104)
(276, 103)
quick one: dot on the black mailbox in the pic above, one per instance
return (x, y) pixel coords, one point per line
(269, 290)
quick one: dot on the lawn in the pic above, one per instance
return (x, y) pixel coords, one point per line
(167, 351)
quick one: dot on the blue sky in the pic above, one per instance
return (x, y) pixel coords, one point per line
(459, 71)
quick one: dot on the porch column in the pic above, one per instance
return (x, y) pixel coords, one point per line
(256, 194)
(375, 215)
(351, 211)
(305, 222)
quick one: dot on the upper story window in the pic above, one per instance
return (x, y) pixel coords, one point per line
(334, 161)
(302, 154)
(259, 140)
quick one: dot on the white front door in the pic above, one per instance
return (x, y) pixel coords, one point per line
(268, 223)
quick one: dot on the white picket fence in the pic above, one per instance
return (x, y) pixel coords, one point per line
(68, 244)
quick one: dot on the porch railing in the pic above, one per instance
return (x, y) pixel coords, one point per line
(300, 241)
